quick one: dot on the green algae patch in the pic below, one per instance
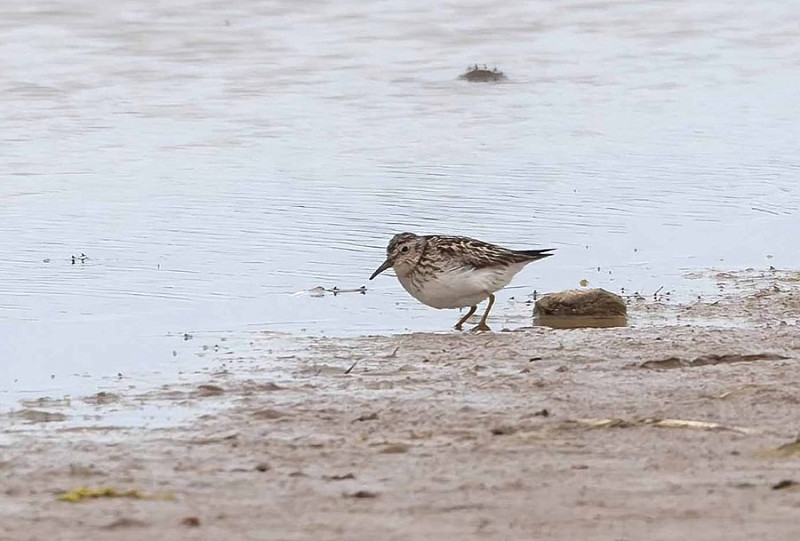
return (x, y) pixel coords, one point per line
(86, 493)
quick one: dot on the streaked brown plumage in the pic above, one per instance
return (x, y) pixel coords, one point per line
(454, 272)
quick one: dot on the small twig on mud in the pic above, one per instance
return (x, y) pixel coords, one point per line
(351, 368)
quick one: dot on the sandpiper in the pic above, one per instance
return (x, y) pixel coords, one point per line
(454, 272)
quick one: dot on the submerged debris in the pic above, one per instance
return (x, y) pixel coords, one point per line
(320, 291)
(482, 74)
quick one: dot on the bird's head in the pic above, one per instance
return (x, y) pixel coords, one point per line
(402, 254)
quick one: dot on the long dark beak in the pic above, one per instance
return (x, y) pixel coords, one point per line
(386, 264)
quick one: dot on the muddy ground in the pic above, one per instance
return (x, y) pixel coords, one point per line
(680, 427)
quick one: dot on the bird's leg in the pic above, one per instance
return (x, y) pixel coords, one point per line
(465, 318)
(482, 326)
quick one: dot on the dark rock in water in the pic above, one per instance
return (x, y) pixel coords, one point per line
(482, 74)
(576, 308)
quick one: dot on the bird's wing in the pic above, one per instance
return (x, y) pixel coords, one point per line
(465, 251)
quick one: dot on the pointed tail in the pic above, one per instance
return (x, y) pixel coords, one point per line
(535, 255)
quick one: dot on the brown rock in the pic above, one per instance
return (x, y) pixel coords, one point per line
(581, 308)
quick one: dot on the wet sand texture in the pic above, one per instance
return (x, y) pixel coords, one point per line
(534, 434)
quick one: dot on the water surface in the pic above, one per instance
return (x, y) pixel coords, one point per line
(213, 159)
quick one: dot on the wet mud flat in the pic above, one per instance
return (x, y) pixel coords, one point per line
(684, 427)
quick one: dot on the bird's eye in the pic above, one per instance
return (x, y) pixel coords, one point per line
(404, 249)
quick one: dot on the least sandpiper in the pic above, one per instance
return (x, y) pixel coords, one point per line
(454, 272)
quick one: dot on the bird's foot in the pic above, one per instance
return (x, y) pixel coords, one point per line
(458, 327)
(481, 327)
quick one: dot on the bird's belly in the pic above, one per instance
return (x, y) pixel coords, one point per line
(458, 288)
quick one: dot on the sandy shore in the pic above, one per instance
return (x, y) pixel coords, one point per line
(674, 430)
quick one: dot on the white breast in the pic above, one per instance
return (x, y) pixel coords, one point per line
(459, 287)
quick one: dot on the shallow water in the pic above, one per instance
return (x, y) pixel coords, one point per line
(213, 159)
